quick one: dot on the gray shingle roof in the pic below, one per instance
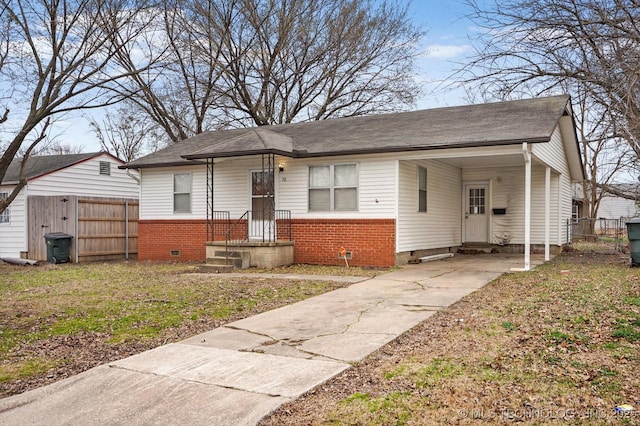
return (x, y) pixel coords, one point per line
(500, 123)
(43, 164)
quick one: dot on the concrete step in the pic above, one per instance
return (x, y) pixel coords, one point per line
(475, 249)
(236, 262)
(231, 253)
(215, 269)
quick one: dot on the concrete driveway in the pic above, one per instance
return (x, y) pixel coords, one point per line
(238, 373)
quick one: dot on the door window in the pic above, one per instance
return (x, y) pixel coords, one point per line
(476, 201)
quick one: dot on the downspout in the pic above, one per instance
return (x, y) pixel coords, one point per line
(527, 206)
(137, 179)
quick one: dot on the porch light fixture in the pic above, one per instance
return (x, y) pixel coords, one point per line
(281, 167)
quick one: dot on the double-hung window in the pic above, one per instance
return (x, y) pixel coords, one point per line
(422, 189)
(182, 193)
(4, 216)
(333, 187)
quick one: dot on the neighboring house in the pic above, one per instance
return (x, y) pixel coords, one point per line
(48, 202)
(614, 207)
(387, 188)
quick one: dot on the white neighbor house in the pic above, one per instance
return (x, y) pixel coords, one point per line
(613, 207)
(92, 175)
(388, 188)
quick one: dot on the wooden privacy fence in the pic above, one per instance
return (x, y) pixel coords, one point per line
(102, 228)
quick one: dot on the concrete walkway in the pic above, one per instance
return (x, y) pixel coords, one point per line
(238, 373)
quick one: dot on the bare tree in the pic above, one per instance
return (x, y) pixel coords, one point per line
(236, 63)
(127, 133)
(181, 93)
(57, 57)
(57, 148)
(316, 59)
(588, 48)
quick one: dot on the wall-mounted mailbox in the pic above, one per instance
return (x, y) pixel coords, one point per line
(499, 211)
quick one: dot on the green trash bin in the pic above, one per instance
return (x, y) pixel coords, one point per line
(633, 232)
(58, 247)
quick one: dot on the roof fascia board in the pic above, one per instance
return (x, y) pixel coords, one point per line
(34, 177)
(305, 154)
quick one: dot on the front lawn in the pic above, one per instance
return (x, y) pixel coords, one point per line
(58, 320)
(559, 344)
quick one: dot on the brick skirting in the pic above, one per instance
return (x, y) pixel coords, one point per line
(317, 241)
(372, 242)
(157, 239)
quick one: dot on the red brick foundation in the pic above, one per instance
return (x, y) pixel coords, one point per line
(158, 238)
(371, 241)
(317, 241)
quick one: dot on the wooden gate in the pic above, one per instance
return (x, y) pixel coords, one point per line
(102, 228)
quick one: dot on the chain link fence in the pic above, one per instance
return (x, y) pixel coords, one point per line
(602, 235)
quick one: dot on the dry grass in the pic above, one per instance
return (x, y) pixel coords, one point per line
(560, 344)
(58, 320)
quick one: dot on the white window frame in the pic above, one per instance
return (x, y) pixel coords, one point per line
(575, 211)
(332, 187)
(190, 192)
(423, 192)
(5, 216)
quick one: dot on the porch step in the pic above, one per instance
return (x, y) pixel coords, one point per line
(223, 261)
(215, 269)
(475, 249)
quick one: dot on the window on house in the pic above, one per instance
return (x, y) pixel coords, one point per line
(422, 189)
(333, 187)
(182, 193)
(4, 216)
(105, 168)
(575, 213)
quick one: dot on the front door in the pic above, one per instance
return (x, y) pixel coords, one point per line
(261, 221)
(476, 214)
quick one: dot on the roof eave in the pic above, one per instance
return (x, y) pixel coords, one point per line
(191, 159)
(162, 164)
(202, 156)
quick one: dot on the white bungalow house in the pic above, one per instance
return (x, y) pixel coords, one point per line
(47, 203)
(384, 189)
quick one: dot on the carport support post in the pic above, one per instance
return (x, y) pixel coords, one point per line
(527, 206)
(547, 211)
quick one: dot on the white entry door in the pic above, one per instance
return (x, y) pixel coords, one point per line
(261, 222)
(476, 215)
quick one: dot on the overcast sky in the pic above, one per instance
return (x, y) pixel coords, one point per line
(445, 43)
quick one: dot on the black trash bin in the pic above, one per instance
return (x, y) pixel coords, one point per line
(58, 247)
(633, 232)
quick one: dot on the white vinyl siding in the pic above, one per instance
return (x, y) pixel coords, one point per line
(440, 226)
(507, 191)
(553, 154)
(232, 186)
(84, 179)
(376, 187)
(156, 195)
(13, 234)
(616, 207)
